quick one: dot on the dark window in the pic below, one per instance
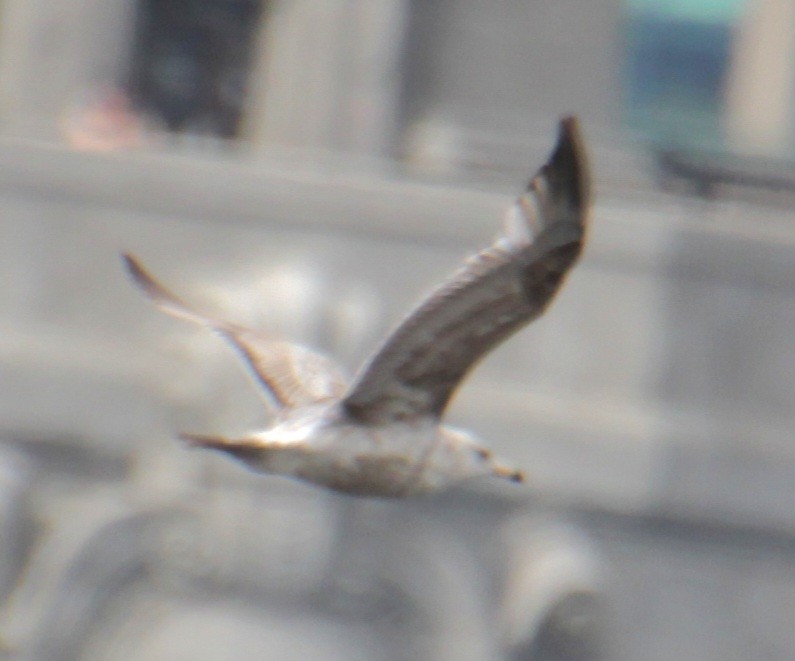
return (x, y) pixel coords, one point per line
(192, 61)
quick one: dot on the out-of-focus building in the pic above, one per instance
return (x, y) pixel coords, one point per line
(374, 77)
(446, 82)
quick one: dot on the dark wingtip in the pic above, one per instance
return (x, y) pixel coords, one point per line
(566, 170)
(157, 293)
(138, 274)
(130, 263)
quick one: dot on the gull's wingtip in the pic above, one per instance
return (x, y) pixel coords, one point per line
(566, 171)
(139, 275)
(163, 298)
(569, 126)
(569, 134)
(129, 262)
(568, 160)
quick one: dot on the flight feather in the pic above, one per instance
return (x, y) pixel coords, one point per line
(496, 292)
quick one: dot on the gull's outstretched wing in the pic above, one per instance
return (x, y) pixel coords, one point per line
(291, 374)
(497, 291)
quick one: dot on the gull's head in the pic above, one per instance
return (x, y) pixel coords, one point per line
(470, 459)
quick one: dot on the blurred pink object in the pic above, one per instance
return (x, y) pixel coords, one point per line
(106, 122)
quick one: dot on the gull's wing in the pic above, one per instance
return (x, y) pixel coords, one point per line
(291, 374)
(499, 290)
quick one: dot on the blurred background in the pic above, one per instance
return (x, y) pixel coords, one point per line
(312, 167)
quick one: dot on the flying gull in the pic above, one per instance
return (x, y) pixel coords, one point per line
(382, 434)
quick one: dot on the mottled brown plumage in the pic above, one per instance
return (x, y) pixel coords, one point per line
(382, 435)
(498, 291)
(291, 374)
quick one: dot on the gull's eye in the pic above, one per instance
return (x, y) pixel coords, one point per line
(483, 454)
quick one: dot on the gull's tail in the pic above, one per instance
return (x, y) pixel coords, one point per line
(247, 450)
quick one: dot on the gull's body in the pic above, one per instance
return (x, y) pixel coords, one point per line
(321, 444)
(382, 435)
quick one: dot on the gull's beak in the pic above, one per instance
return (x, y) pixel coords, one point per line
(508, 473)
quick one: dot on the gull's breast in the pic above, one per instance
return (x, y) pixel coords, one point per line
(371, 460)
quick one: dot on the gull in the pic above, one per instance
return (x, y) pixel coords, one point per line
(381, 434)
